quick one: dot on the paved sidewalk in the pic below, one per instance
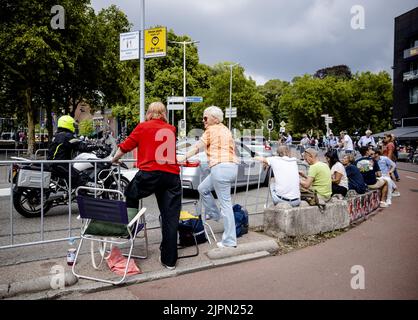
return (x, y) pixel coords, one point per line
(35, 279)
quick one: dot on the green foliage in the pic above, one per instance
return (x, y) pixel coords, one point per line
(56, 69)
(355, 104)
(245, 97)
(86, 128)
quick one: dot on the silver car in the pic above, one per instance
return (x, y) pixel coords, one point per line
(196, 168)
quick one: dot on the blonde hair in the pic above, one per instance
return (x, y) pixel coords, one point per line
(156, 110)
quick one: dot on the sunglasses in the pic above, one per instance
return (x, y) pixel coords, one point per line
(205, 118)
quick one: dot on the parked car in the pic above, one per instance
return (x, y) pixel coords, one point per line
(258, 144)
(196, 168)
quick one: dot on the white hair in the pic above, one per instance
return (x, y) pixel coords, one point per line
(215, 112)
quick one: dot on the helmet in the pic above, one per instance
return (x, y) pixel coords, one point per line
(66, 122)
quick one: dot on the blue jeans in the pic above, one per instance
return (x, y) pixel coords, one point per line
(277, 200)
(220, 179)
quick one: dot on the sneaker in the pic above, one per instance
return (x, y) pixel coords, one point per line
(383, 204)
(166, 266)
(221, 245)
(396, 194)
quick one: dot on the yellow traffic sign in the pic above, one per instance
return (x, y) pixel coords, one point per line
(155, 42)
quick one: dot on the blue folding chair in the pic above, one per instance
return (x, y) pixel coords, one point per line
(106, 221)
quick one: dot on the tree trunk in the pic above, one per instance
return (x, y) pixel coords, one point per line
(49, 125)
(31, 123)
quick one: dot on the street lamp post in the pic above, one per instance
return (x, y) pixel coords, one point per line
(230, 94)
(142, 66)
(184, 75)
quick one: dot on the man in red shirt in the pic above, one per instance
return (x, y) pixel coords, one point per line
(158, 173)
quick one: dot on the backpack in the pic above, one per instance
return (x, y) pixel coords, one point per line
(241, 220)
(186, 229)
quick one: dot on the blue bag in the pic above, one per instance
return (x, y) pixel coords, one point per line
(241, 220)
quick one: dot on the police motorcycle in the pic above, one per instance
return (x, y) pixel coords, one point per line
(56, 190)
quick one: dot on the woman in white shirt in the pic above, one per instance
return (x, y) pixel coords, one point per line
(338, 174)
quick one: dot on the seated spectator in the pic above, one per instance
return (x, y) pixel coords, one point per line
(387, 167)
(319, 176)
(355, 178)
(338, 174)
(286, 177)
(371, 171)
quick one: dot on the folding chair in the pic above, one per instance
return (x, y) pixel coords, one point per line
(114, 214)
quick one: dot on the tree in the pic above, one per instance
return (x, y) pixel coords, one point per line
(245, 97)
(86, 128)
(272, 90)
(57, 69)
(358, 103)
(340, 71)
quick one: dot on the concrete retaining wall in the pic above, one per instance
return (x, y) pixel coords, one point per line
(305, 219)
(309, 220)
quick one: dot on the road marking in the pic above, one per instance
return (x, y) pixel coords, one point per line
(411, 178)
(4, 192)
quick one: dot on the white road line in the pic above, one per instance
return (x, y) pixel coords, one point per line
(4, 192)
(411, 178)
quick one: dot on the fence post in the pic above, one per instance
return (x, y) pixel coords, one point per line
(69, 199)
(11, 206)
(42, 201)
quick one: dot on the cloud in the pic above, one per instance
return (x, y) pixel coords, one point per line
(278, 39)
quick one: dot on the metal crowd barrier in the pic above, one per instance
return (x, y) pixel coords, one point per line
(255, 202)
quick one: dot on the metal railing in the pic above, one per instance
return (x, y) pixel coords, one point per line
(255, 201)
(21, 152)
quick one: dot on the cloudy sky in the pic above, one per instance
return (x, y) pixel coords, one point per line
(278, 39)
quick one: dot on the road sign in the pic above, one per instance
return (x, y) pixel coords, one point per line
(270, 124)
(282, 124)
(129, 46)
(194, 99)
(282, 129)
(175, 100)
(175, 106)
(155, 42)
(233, 113)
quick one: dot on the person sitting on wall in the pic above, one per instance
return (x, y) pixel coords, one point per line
(355, 178)
(338, 174)
(286, 178)
(370, 170)
(318, 179)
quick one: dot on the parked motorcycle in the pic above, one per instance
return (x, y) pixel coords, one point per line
(27, 181)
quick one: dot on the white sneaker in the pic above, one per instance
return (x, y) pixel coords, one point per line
(383, 204)
(221, 245)
(396, 194)
(165, 266)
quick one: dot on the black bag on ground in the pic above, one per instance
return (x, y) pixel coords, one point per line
(241, 220)
(187, 228)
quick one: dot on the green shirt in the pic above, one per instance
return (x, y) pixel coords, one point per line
(321, 174)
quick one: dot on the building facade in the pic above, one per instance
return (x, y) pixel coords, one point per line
(405, 70)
